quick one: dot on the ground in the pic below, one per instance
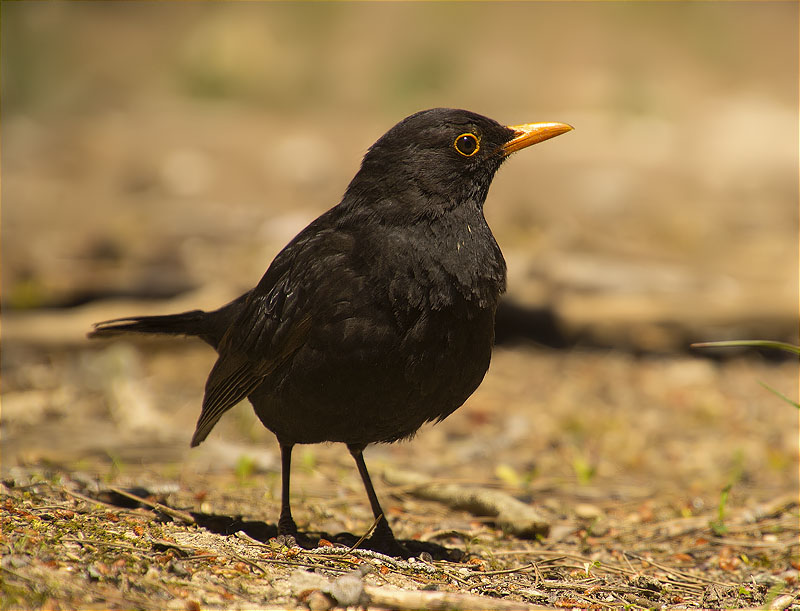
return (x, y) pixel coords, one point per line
(666, 482)
(165, 172)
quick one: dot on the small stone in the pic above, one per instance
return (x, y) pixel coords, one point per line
(645, 582)
(179, 568)
(348, 590)
(782, 602)
(587, 511)
(319, 601)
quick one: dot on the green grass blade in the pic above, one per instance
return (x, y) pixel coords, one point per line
(781, 395)
(754, 343)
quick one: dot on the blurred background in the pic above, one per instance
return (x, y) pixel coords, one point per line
(153, 149)
(156, 156)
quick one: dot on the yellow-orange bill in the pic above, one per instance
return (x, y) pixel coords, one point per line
(531, 133)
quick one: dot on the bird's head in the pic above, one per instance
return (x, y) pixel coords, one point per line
(438, 159)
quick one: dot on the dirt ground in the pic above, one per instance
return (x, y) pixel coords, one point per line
(666, 482)
(155, 158)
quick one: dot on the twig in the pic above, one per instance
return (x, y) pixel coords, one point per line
(49, 507)
(310, 565)
(339, 551)
(240, 534)
(395, 598)
(681, 574)
(590, 602)
(87, 499)
(628, 562)
(455, 577)
(173, 513)
(567, 585)
(745, 543)
(520, 569)
(367, 534)
(692, 589)
(325, 551)
(252, 563)
(503, 509)
(559, 555)
(538, 578)
(103, 544)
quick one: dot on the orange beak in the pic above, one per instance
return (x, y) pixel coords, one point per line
(531, 133)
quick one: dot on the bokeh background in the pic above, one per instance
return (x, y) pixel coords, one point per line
(156, 156)
(152, 149)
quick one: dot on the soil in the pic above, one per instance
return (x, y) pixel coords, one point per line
(665, 482)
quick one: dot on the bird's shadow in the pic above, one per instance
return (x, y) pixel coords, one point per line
(263, 532)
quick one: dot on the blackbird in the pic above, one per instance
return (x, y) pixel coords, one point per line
(379, 316)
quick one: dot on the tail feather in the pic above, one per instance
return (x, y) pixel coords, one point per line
(208, 326)
(186, 323)
(193, 323)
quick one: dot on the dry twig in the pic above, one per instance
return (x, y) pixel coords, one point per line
(395, 598)
(508, 513)
(173, 513)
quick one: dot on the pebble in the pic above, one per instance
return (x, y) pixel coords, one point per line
(782, 602)
(587, 511)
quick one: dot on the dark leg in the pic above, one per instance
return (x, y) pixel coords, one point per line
(383, 537)
(286, 525)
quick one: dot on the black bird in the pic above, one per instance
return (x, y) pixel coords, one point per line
(379, 316)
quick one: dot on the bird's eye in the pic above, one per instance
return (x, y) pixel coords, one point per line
(467, 144)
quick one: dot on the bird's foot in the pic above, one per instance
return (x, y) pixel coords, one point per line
(286, 541)
(383, 541)
(287, 531)
(286, 525)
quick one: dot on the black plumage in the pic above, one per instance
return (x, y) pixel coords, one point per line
(379, 316)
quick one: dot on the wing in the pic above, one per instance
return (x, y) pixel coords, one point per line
(275, 321)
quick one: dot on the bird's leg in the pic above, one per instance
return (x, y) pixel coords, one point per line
(286, 525)
(382, 537)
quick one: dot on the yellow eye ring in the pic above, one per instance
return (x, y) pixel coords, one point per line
(467, 144)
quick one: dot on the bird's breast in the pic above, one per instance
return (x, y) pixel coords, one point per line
(401, 333)
(453, 263)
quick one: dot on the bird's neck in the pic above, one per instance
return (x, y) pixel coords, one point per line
(465, 248)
